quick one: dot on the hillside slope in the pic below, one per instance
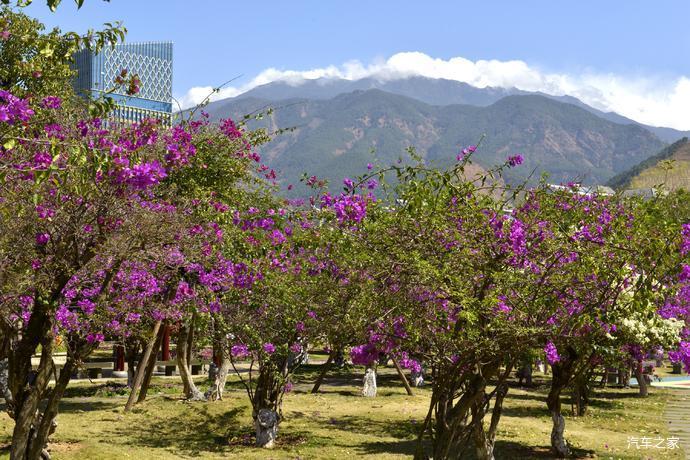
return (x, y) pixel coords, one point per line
(336, 137)
(670, 167)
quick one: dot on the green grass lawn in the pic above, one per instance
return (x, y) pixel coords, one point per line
(338, 423)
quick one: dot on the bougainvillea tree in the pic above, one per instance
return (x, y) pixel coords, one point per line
(101, 226)
(462, 285)
(471, 278)
(625, 264)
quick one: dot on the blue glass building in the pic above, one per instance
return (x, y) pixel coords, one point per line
(151, 61)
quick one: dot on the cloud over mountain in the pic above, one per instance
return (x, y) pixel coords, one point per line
(651, 100)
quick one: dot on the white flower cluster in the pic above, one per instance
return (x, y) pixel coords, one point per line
(652, 331)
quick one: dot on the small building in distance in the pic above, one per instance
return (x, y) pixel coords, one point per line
(151, 61)
(580, 189)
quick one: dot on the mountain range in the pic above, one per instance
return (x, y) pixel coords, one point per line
(340, 125)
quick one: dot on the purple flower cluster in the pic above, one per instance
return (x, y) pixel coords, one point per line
(364, 355)
(180, 147)
(681, 355)
(685, 244)
(239, 351)
(13, 109)
(349, 208)
(411, 364)
(51, 102)
(143, 175)
(551, 352)
(514, 160)
(464, 153)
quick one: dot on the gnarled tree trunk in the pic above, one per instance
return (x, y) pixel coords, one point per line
(34, 406)
(150, 363)
(215, 393)
(191, 392)
(484, 441)
(27, 388)
(641, 382)
(141, 367)
(562, 373)
(266, 425)
(581, 389)
(454, 424)
(266, 403)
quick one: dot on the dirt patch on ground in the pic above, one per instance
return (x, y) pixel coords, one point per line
(64, 447)
(248, 439)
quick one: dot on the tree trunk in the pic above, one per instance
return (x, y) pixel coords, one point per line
(339, 360)
(485, 441)
(215, 393)
(131, 355)
(624, 377)
(484, 448)
(4, 382)
(559, 446)
(47, 424)
(141, 367)
(581, 394)
(324, 369)
(266, 424)
(33, 427)
(28, 390)
(641, 382)
(165, 347)
(403, 379)
(266, 402)
(369, 387)
(150, 364)
(558, 443)
(190, 389)
(452, 431)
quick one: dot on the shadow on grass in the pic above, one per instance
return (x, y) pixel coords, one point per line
(529, 396)
(105, 389)
(194, 432)
(399, 429)
(504, 449)
(346, 376)
(617, 393)
(518, 451)
(76, 406)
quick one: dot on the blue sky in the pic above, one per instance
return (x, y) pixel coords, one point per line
(636, 49)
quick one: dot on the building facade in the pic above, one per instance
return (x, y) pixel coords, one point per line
(151, 61)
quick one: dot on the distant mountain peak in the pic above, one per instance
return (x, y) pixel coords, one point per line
(433, 91)
(335, 136)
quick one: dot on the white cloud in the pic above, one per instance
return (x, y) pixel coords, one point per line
(651, 100)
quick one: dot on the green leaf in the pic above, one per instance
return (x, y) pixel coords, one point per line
(53, 4)
(47, 50)
(9, 145)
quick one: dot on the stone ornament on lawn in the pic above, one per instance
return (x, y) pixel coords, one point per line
(369, 389)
